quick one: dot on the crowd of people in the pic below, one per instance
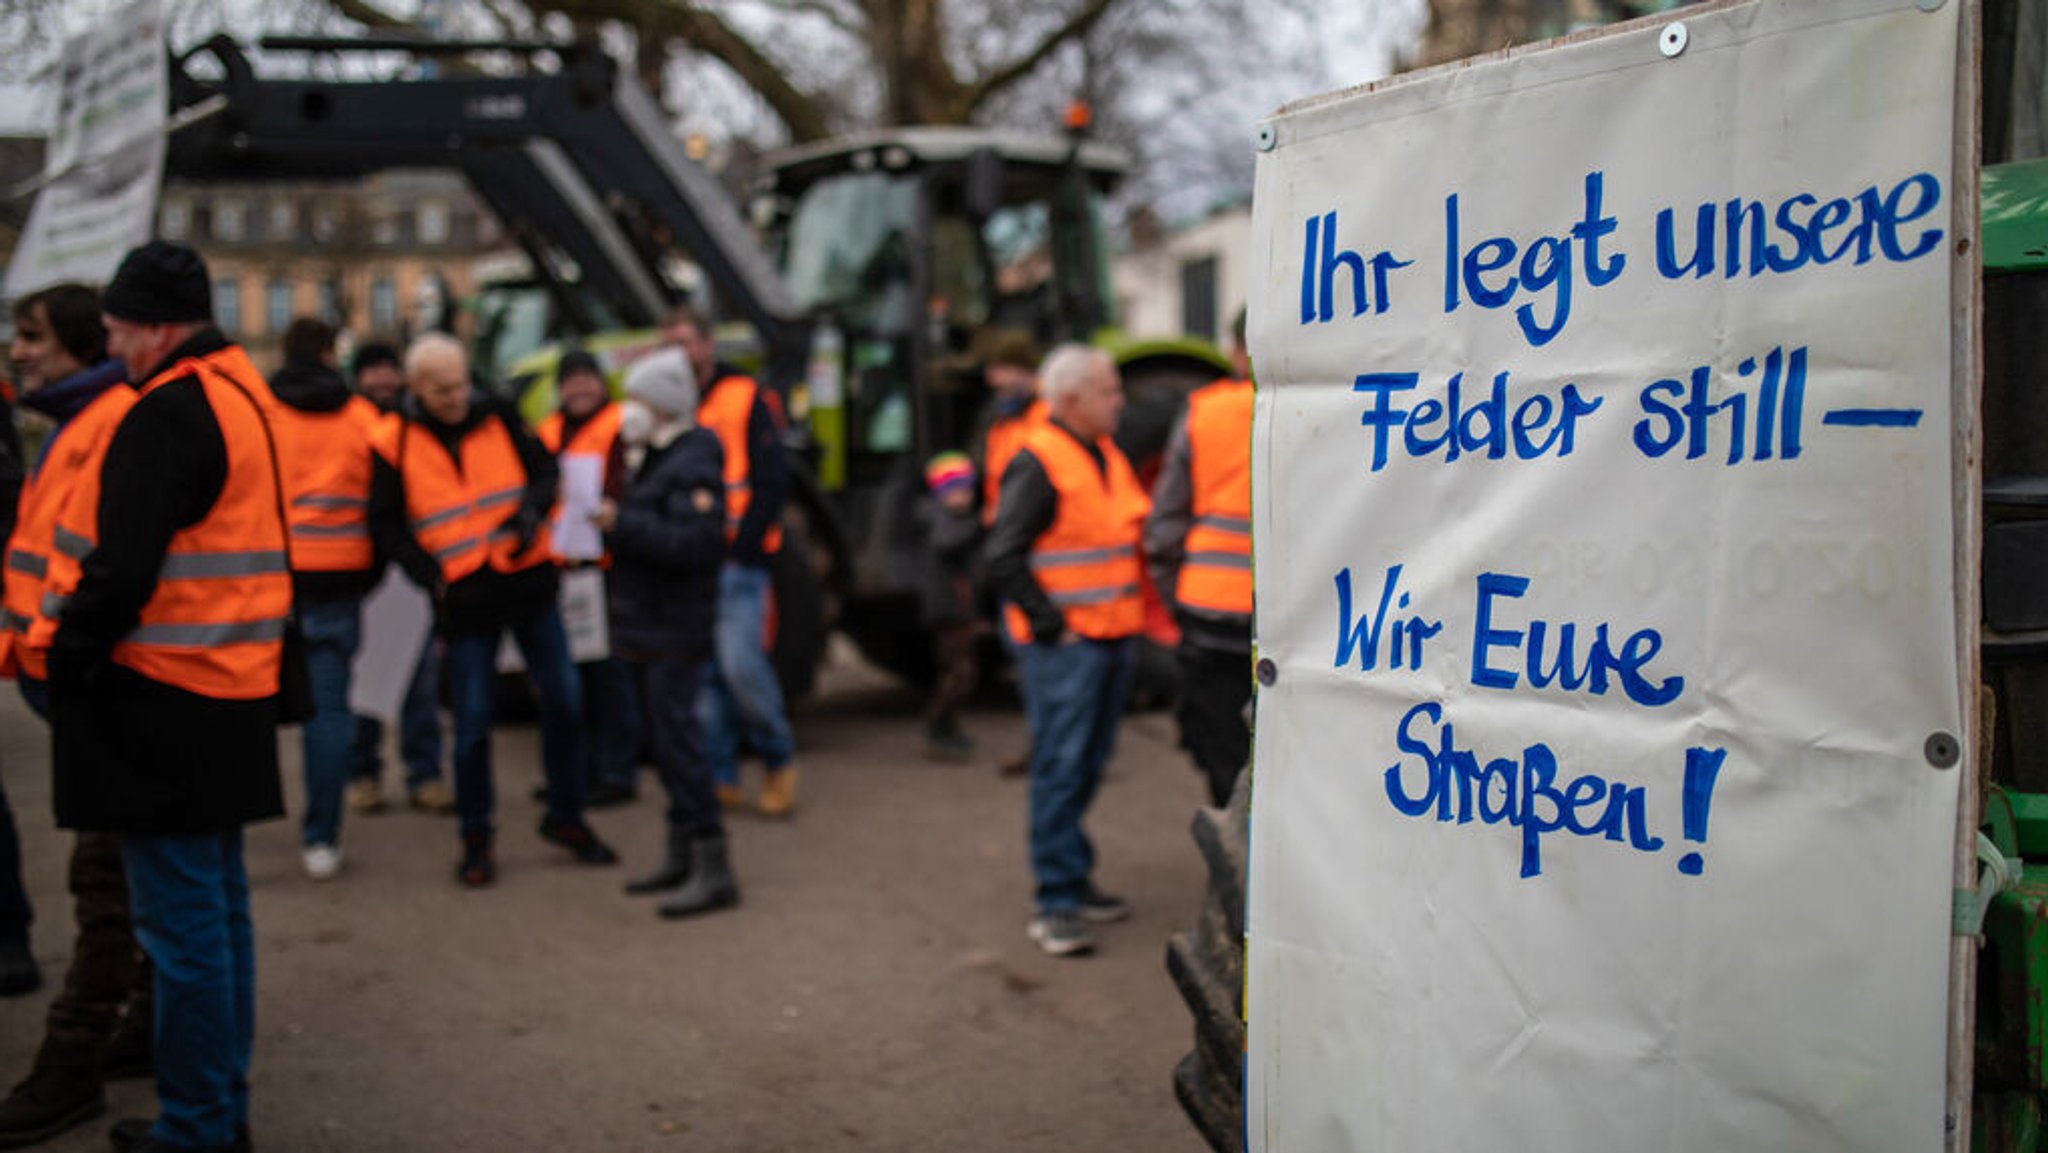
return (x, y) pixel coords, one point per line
(195, 543)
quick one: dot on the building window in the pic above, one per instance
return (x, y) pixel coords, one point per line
(227, 305)
(284, 221)
(230, 219)
(326, 223)
(277, 304)
(174, 219)
(383, 306)
(330, 302)
(1198, 297)
(385, 230)
(433, 222)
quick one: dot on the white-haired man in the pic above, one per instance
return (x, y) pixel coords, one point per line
(460, 499)
(1063, 554)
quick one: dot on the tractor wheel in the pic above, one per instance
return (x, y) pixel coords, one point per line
(1207, 965)
(800, 608)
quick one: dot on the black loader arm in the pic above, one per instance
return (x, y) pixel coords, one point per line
(577, 162)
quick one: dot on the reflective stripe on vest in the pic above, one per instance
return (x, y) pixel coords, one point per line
(456, 509)
(216, 619)
(1087, 560)
(70, 464)
(325, 458)
(1216, 572)
(1005, 437)
(728, 410)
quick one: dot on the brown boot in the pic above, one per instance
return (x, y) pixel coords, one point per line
(732, 798)
(778, 792)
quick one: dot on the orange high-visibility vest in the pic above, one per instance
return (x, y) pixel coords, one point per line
(593, 440)
(727, 409)
(72, 455)
(1216, 571)
(456, 509)
(1005, 437)
(1087, 562)
(325, 457)
(214, 624)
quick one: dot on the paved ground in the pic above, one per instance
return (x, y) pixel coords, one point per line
(875, 990)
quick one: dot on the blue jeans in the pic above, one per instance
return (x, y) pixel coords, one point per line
(419, 728)
(472, 671)
(611, 722)
(1074, 699)
(189, 897)
(741, 697)
(333, 630)
(673, 687)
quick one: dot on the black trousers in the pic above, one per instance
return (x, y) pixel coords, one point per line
(108, 977)
(668, 692)
(1215, 686)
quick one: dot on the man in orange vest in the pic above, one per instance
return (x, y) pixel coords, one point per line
(1064, 556)
(582, 434)
(172, 595)
(459, 499)
(323, 436)
(1010, 367)
(1010, 361)
(97, 1027)
(741, 696)
(1198, 542)
(380, 378)
(59, 356)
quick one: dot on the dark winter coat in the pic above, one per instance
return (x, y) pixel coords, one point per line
(948, 572)
(130, 754)
(666, 547)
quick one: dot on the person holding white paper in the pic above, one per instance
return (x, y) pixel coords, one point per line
(582, 435)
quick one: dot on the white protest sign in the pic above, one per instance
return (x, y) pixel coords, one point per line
(586, 621)
(1603, 521)
(574, 535)
(398, 619)
(105, 157)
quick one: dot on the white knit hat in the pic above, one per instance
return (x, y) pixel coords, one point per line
(663, 382)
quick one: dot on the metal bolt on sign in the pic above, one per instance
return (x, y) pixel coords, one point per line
(1673, 39)
(1943, 751)
(1265, 138)
(1267, 671)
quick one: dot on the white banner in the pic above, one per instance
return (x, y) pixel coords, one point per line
(105, 158)
(1603, 523)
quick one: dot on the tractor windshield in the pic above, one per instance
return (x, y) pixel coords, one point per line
(847, 249)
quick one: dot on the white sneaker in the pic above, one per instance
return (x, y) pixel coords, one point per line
(323, 862)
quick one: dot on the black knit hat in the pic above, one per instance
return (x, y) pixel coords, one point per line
(577, 360)
(159, 283)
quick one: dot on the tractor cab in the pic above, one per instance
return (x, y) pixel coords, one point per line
(910, 243)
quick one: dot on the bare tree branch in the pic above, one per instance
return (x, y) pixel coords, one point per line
(369, 15)
(1076, 26)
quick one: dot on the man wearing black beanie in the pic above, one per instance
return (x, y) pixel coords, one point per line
(175, 593)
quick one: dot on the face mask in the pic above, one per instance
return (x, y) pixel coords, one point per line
(636, 422)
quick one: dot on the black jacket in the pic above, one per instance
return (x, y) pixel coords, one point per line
(130, 754)
(487, 599)
(666, 549)
(316, 388)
